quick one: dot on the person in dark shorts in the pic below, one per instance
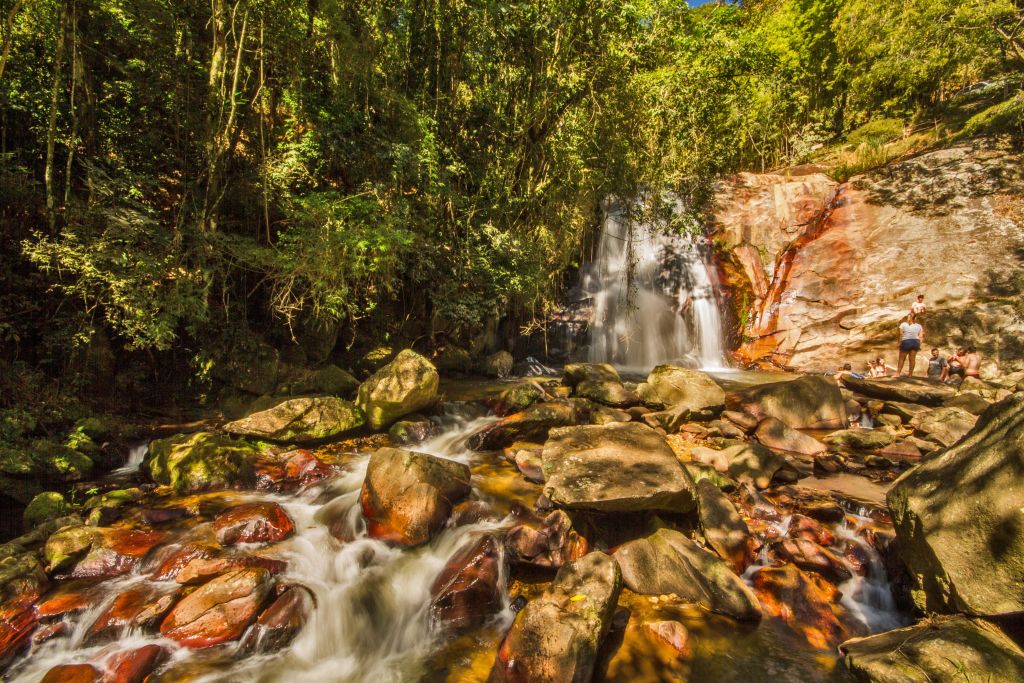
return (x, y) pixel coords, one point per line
(911, 336)
(957, 371)
(938, 366)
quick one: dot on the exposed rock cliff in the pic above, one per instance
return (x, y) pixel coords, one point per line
(821, 272)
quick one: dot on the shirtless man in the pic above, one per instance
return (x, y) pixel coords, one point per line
(918, 307)
(972, 363)
(955, 368)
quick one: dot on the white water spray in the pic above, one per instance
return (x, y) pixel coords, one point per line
(654, 297)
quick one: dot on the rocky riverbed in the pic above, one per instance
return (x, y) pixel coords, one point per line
(580, 528)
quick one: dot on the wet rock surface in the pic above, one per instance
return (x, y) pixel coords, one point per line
(300, 420)
(469, 590)
(405, 385)
(219, 611)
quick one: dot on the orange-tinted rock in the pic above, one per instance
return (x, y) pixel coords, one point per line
(68, 598)
(72, 673)
(810, 556)
(532, 424)
(57, 629)
(169, 561)
(132, 666)
(139, 607)
(253, 523)
(200, 570)
(218, 611)
(673, 634)
(16, 624)
(553, 544)
(163, 515)
(468, 590)
(801, 526)
(305, 469)
(278, 625)
(801, 600)
(115, 552)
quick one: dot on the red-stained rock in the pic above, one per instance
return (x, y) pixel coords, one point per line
(168, 562)
(16, 623)
(468, 590)
(163, 515)
(278, 625)
(673, 634)
(858, 557)
(810, 556)
(114, 552)
(553, 544)
(73, 673)
(305, 468)
(805, 527)
(253, 523)
(57, 629)
(68, 598)
(801, 600)
(138, 607)
(132, 666)
(220, 610)
(200, 570)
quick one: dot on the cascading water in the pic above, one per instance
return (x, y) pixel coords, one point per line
(653, 295)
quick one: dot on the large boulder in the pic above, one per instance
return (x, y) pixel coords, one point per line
(406, 497)
(498, 364)
(279, 623)
(808, 402)
(203, 461)
(671, 386)
(958, 518)
(405, 385)
(941, 649)
(468, 590)
(669, 562)
(607, 392)
(555, 638)
(300, 420)
(744, 462)
(262, 522)
(776, 434)
(532, 424)
(94, 552)
(330, 380)
(902, 389)
(552, 544)
(219, 611)
(724, 529)
(618, 467)
(520, 396)
(803, 601)
(944, 426)
(592, 372)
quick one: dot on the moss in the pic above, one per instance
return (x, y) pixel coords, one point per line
(45, 506)
(1004, 118)
(203, 461)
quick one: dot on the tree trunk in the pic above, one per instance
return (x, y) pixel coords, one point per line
(51, 126)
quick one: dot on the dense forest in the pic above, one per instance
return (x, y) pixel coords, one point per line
(185, 182)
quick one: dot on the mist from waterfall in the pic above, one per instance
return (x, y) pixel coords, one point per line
(654, 295)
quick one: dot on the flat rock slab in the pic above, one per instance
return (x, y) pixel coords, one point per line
(808, 402)
(944, 426)
(618, 467)
(944, 649)
(904, 389)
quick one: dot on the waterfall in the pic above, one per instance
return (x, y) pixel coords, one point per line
(653, 295)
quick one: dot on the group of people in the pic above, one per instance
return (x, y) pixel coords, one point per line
(964, 362)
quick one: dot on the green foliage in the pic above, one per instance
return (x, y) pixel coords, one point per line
(876, 132)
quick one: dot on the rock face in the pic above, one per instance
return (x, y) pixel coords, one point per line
(407, 497)
(405, 385)
(808, 402)
(190, 463)
(618, 467)
(668, 562)
(220, 610)
(555, 638)
(829, 278)
(468, 590)
(300, 420)
(939, 650)
(958, 518)
(675, 386)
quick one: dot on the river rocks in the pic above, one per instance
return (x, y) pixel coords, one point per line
(957, 518)
(673, 634)
(279, 623)
(253, 523)
(190, 463)
(498, 364)
(91, 552)
(553, 544)
(300, 420)
(744, 462)
(330, 380)
(808, 402)
(724, 529)
(675, 386)
(607, 392)
(941, 649)
(969, 401)
(468, 590)
(138, 607)
(73, 673)
(405, 385)
(861, 439)
(619, 467)
(133, 666)
(809, 556)
(407, 496)
(520, 396)
(218, 611)
(944, 426)
(668, 562)
(47, 505)
(902, 389)
(774, 433)
(593, 372)
(17, 621)
(803, 601)
(413, 429)
(532, 424)
(555, 638)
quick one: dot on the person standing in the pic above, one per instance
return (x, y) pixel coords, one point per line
(918, 307)
(911, 336)
(938, 367)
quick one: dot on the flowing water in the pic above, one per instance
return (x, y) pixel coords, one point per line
(654, 297)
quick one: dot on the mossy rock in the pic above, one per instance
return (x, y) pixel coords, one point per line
(203, 461)
(374, 359)
(453, 359)
(403, 386)
(301, 420)
(45, 506)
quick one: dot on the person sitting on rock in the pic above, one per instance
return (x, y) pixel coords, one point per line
(847, 371)
(938, 367)
(955, 371)
(880, 369)
(918, 307)
(972, 363)
(911, 336)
